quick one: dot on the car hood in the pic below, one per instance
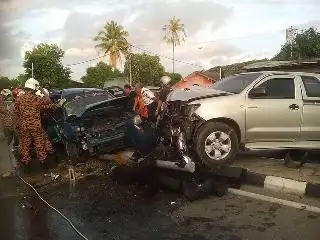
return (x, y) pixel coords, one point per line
(82, 106)
(195, 93)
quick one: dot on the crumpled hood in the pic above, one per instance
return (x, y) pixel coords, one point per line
(194, 93)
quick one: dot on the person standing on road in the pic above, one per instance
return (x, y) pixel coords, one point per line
(139, 106)
(28, 107)
(164, 92)
(15, 118)
(130, 94)
(149, 100)
(8, 121)
(3, 111)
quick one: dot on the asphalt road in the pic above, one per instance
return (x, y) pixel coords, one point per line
(102, 209)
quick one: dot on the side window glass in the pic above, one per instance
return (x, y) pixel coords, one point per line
(279, 88)
(312, 86)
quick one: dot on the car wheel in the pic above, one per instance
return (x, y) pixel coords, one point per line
(216, 144)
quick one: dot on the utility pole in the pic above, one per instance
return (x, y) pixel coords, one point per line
(32, 70)
(290, 38)
(173, 57)
(220, 72)
(130, 74)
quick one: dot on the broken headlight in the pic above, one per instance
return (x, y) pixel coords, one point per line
(190, 110)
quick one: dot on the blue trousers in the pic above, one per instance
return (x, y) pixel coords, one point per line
(142, 141)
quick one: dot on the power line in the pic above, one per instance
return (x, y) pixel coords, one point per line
(85, 61)
(219, 40)
(176, 60)
(144, 50)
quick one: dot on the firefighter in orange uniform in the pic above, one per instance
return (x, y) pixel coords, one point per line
(28, 107)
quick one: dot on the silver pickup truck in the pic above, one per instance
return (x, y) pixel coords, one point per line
(260, 110)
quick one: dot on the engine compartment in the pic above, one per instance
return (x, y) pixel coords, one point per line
(104, 124)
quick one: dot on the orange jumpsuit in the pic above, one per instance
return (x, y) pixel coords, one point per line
(28, 107)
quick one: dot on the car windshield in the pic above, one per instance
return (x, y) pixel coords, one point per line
(235, 83)
(78, 105)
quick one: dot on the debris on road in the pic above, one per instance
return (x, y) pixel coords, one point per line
(193, 186)
(52, 176)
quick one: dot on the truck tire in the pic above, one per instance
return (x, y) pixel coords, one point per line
(216, 144)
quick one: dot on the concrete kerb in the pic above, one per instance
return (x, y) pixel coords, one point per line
(282, 184)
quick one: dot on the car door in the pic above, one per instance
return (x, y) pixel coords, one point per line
(310, 126)
(275, 117)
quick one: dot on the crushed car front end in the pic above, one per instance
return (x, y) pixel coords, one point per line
(96, 124)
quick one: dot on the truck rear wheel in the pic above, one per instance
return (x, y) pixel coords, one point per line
(216, 144)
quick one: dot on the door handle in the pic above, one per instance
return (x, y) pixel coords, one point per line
(294, 107)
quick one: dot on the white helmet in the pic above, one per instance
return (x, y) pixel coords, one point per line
(5, 92)
(31, 83)
(165, 80)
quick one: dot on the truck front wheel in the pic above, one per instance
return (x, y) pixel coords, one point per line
(216, 144)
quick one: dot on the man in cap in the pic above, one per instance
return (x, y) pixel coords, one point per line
(164, 92)
(28, 107)
(3, 109)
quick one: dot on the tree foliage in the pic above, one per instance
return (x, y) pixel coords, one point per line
(4, 83)
(174, 31)
(306, 45)
(47, 65)
(175, 77)
(19, 81)
(98, 75)
(145, 69)
(112, 40)
(174, 34)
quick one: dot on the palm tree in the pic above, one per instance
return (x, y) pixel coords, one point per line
(113, 41)
(174, 34)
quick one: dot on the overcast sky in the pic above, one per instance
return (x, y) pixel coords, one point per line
(218, 32)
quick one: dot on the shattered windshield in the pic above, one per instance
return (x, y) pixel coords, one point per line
(80, 103)
(235, 83)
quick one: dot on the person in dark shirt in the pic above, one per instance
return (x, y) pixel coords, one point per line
(164, 92)
(130, 94)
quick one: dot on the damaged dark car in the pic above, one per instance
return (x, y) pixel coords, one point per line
(94, 124)
(89, 123)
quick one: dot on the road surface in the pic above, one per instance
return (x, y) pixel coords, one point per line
(102, 209)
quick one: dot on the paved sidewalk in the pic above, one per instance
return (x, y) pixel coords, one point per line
(275, 167)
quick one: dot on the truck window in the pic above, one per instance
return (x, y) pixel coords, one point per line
(279, 88)
(235, 83)
(312, 86)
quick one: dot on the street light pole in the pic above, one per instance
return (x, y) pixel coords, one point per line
(130, 74)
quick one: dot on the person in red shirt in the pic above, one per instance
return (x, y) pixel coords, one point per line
(139, 106)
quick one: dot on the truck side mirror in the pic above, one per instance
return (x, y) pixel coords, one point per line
(258, 92)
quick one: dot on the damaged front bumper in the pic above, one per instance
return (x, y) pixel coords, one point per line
(181, 117)
(179, 125)
(185, 163)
